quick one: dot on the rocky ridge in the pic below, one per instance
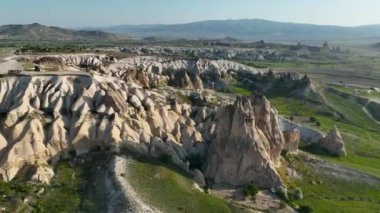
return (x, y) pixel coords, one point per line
(153, 71)
(46, 118)
(241, 54)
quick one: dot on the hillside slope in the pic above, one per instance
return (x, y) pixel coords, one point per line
(248, 29)
(40, 32)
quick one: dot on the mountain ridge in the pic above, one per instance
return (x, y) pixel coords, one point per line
(37, 31)
(247, 29)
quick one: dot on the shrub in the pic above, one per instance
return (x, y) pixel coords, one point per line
(165, 158)
(72, 153)
(5, 188)
(282, 204)
(251, 190)
(195, 161)
(318, 123)
(282, 193)
(305, 209)
(313, 119)
(295, 193)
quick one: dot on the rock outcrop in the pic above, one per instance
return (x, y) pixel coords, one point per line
(308, 134)
(247, 144)
(187, 74)
(292, 138)
(226, 53)
(66, 62)
(333, 143)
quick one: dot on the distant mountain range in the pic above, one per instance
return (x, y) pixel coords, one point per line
(41, 32)
(248, 29)
(244, 29)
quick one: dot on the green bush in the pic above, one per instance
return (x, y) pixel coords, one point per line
(282, 193)
(5, 188)
(195, 161)
(165, 158)
(251, 190)
(313, 119)
(295, 193)
(305, 209)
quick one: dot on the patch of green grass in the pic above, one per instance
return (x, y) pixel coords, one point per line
(63, 194)
(171, 191)
(273, 64)
(362, 145)
(241, 90)
(326, 193)
(352, 111)
(76, 189)
(357, 91)
(28, 66)
(293, 107)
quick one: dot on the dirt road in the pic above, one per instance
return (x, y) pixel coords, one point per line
(9, 63)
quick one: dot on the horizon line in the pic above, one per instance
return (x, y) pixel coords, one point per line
(192, 22)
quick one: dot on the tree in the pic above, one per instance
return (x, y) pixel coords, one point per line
(325, 46)
(251, 190)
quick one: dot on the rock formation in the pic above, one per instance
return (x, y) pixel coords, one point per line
(215, 53)
(66, 62)
(333, 143)
(292, 138)
(308, 134)
(187, 74)
(48, 117)
(247, 144)
(45, 118)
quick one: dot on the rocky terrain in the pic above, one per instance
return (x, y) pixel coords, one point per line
(46, 118)
(227, 53)
(155, 107)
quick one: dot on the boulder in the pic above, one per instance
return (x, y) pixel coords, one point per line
(43, 174)
(199, 178)
(333, 143)
(135, 101)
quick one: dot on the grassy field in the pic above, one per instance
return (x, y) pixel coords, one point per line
(358, 91)
(170, 190)
(352, 111)
(77, 188)
(353, 69)
(327, 193)
(361, 141)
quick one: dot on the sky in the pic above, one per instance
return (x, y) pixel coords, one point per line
(100, 13)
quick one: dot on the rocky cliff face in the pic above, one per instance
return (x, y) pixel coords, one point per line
(247, 145)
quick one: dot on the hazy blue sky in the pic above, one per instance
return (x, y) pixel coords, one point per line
(79, 13)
